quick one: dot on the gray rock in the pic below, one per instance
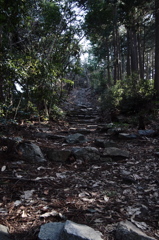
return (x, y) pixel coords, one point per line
(86, 153)
(75, 138)
(10, 142)
(4, 235)
(48, 135)
(147, 133)
(30, 152)
(104, 143)
(67, 231)
(105, 159)
(84, 131)
(105, 127)
(128, 231)
(125, 173)
(57, 155)
(41, 135)
(114, 131)
(51, 231)
(115, 152)
(74, 231)
(127, 136)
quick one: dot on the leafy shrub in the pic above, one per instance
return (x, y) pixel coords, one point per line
(127, 97)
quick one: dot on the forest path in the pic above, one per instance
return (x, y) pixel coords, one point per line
(82, 108)
(92, 188)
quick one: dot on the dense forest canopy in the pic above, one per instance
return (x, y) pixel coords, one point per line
(40, 52)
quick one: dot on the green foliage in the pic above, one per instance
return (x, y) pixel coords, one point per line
(38, 50)
(51, 15)
(57, 113)
(127, 97)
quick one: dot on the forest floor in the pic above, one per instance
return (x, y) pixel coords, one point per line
(98, 194)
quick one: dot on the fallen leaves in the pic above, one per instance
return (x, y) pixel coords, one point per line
(99, 195)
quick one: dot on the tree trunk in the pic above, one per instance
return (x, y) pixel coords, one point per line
(141, 67)
(156, 84)
(128, 67)
(134, 55)
(108, 63)
(1, 75)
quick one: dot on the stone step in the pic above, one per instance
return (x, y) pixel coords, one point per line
(83, 121)
(82, 113)
(82, 117)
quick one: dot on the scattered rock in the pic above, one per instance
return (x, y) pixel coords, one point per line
(157, 154)
(75, 138)
(127, 135)
(128, 231)
(57, 155)
(128, 180)
(114, 131)
(4, 235)
(74, 231)
(105, 127)
(84, 131)
(67, 231)
(10, 142)
(51, 231)
(48, 135)
(105, 159)
(41, 135)
(30, 151)
(86, 153)
(147, 133)
(125, 173)
(104, 143)
(115, 152)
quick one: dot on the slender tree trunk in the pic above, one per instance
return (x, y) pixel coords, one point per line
(134, 55)
(108, 64)
(156, 84)
(128, 67)
(141, 67)
(147, 66)
(1, 73)
(152, 65)
(115, 41)
(115, 57)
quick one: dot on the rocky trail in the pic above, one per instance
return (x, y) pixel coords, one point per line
(92, 173)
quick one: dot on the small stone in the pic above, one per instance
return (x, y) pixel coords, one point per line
(75, 138)
(125, 173)
(86, 153)
(104, 143)
(127, 136)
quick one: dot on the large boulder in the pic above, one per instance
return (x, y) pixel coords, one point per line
(30, 152)
(74, 231)
(4, 235)
(128, 231)
(51, 231)
(67, 231)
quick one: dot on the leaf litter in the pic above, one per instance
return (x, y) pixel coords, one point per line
(99, 194)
